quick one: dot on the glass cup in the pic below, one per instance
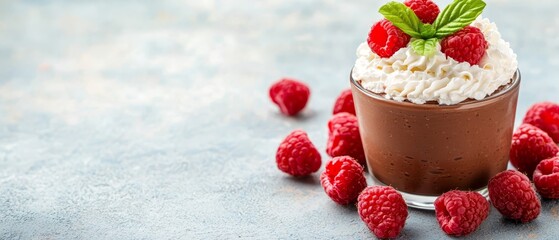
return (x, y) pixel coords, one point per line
(424, 150)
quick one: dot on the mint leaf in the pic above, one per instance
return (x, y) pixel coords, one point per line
(424, 47)
(403, 18)
(427, 31)
(456, 16)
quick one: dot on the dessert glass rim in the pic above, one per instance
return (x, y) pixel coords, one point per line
(515, 81)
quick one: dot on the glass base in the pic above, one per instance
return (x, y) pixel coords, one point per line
(422, 201)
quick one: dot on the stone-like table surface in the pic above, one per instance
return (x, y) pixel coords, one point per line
(151, 120)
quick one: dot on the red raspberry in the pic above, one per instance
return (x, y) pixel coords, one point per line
(383, 209)
(426, 10)
(343, 179)
(344, 139)
(297, 155)
(340, 119)
(344, 103)
(466, 45)
(385, 38)
(512, 194)
(545, 115)
(290, 95)
(460, 213)
(546, 178)
(530, 145)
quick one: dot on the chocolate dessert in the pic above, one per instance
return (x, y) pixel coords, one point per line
(429, 149)
(435, 96)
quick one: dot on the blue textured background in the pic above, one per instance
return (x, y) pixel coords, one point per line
(150, 119)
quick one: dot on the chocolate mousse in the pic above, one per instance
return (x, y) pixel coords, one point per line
(429, 149)
(435, 94)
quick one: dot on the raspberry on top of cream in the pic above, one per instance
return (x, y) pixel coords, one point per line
(431, 72)
(407, 75)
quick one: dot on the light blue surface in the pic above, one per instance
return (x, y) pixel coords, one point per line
(150, 120)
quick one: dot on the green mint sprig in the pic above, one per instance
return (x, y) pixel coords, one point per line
(403, 18)
(453, 18)
(457, 15)
(424, 47)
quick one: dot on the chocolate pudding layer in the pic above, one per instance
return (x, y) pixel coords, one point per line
(428, 149)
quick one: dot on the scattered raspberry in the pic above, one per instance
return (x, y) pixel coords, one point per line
(290, 95)
(546, 178)
(338, 120)
(545, 116)
(530, 145)
(344, 139)
(343, 179)
(344, 103)
(297, 155)
(512, 194)
(466, 45)
(385, 38)
(460, 213)
(383, 210)
(426, 10)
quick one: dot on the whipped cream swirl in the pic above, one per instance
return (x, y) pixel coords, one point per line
(419, 79)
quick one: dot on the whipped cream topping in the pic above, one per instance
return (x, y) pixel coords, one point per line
(419, 79)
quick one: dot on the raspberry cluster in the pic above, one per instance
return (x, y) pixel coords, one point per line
(383, 209)
(534, 150)
(465, 45)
